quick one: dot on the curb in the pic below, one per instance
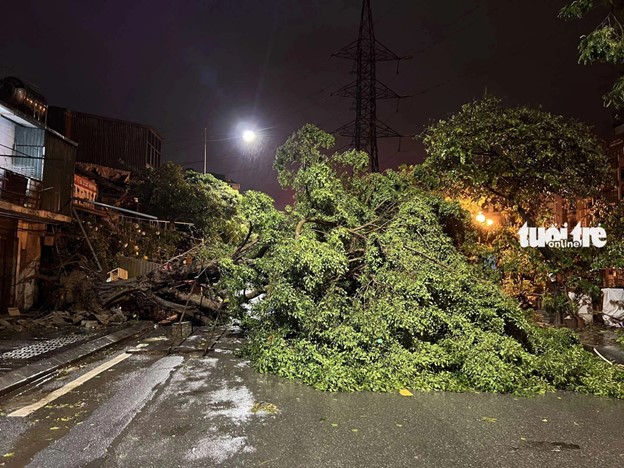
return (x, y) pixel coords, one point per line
(611, 353)
(33, 371)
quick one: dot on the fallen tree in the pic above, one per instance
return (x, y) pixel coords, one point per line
(220, 227)
(369, 292)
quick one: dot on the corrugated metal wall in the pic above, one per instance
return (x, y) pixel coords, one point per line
(29, 143)
(108, 142)
(137, 267)
(58, 175)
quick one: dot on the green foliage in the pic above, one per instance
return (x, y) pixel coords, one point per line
(173, 194)
(605, 44)
(516, 161)
(612, 254)
(368, 291)
(219, 215)
(518, 158)
(114, 237)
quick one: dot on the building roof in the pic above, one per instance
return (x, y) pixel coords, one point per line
(16, 116)
(111, 119)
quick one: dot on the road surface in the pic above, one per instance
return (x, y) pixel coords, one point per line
(151, 409)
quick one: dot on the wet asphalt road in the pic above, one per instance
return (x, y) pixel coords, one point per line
(185, 410)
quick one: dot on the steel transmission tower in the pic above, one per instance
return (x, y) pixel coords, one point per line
(366, 51)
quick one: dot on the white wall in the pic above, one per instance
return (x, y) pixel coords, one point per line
(7, 138)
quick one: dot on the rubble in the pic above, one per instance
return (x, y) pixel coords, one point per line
(178, 290)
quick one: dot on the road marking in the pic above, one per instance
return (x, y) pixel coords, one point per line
(28, 410)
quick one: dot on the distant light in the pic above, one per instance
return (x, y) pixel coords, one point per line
(481, 218)
(489, 222)
(249, 136)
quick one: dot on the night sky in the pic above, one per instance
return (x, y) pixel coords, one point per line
(182, 66)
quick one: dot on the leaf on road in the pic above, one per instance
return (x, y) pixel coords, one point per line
(54, 428)
(490, 420)
(405, 392)
(8, 455)
(334, 425)
(263, 407)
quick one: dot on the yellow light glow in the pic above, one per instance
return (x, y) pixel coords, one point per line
(481, 218)
(489, 222)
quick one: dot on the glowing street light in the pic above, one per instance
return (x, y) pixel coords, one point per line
(249, 136)
(484, 220)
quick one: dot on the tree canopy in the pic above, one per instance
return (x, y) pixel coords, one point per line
(366, 290)
(175, 194)
(518, 158)
(605, 44)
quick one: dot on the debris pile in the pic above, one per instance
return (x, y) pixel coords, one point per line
(178, 288)
(181, 288)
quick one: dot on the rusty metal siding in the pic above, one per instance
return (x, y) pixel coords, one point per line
(58, 174)
(108, 142)
(137, 267)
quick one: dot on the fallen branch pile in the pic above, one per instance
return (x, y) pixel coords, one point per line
(173, 290)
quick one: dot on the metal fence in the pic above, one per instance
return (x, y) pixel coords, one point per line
(137, 267)
(19, 189)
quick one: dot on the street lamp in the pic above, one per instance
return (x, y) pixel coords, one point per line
(483, 220)
(249, 136)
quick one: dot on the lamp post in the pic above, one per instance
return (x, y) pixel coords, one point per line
(248, 136)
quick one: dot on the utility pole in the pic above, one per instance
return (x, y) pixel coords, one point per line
(366, 51)
(205, 143)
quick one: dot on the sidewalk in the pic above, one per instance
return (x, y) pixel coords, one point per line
(25, 361)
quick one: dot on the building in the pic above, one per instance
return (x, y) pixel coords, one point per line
(85, 190)
(106, 141)
(227, 180)
(582, 210)
(36, 178)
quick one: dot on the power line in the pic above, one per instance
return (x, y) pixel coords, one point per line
(365, 52)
